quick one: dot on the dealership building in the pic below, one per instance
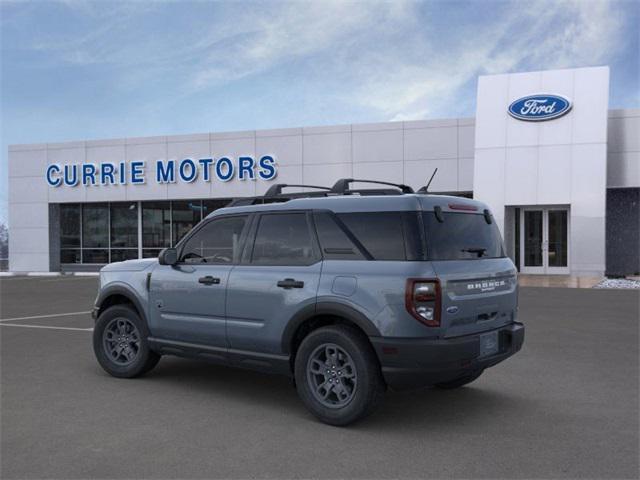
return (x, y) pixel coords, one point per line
(559, 170)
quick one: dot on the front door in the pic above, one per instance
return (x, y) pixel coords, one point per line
(544, 244)
(187, 300)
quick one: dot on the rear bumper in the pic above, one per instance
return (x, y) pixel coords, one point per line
(413, 363)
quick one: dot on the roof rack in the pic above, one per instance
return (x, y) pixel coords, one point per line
(341, 187)
(275, 190)
(275, 194)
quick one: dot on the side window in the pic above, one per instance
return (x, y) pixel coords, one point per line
(215, 243)
(334, 242)
(283, 239)
(381, 233)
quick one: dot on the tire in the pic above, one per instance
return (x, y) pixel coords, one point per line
(132, 357)
(358, 386)
(460, 382)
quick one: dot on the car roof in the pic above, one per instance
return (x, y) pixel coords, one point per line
(357, 203)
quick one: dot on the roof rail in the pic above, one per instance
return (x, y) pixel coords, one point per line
(341, 187)
(275, 190)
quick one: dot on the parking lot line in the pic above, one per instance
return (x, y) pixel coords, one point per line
(35, 317)
(46, 326)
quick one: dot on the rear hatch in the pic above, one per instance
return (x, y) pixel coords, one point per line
(478, 282)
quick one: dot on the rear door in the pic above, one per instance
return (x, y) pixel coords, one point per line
(278, 276)
(478, 281)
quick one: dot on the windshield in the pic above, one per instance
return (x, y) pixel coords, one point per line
(461, 236)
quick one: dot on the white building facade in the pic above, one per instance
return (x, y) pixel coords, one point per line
(559, 170)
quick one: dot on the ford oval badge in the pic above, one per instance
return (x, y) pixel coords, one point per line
(536, 108)
(452, 309)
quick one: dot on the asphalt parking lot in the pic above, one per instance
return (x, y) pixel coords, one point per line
(566, 406)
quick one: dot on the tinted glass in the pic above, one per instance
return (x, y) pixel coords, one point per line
(121, 254)
(95, 256)
(209, 206)
(558, 244)
(216, 242)
(185, 216)
(334, 242)
(95, 226)
(283, 239)
(533, 236)
(124, 225)
(461, 236)
(156, 225)
(69, 226)
(69, 255)
(381, 234)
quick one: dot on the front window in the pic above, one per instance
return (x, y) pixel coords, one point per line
(216, 242)
(461, 236)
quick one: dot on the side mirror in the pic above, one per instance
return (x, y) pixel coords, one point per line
(168, 256)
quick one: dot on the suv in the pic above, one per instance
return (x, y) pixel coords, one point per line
(347, 293)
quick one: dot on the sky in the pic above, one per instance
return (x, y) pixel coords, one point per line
(77, 70)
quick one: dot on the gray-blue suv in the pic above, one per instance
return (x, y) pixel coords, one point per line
(346, 291)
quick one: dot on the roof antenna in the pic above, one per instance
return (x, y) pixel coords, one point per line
(425, 189)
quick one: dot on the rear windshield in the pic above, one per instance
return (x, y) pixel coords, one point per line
(461, 236)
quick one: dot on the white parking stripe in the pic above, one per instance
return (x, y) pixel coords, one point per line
(46, 326)
(35, 317)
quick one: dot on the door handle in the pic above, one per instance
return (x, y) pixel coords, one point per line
(209, 280)
(290, 283)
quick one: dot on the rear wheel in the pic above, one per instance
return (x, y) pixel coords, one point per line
(461, 381)
(120, 343)
(337, 375)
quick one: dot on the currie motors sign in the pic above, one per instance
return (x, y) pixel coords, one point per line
(187, 170)
(540, 107)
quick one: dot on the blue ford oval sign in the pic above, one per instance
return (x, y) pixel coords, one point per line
(536, 108)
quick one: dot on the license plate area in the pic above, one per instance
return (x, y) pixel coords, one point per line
(489, 344)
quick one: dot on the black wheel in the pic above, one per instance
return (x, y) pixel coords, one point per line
(120, 343)
(337, 375)
(460, 382)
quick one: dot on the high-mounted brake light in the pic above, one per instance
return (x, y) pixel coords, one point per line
(461, 206)
(423, 299)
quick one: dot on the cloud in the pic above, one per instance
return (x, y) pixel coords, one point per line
(398, 59)
(524, 36)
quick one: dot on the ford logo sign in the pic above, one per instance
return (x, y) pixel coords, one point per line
(536, 108)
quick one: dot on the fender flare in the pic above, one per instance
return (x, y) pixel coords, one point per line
(327, 308)
(120, 289)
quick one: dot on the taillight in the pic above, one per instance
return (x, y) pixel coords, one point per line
(422, 299)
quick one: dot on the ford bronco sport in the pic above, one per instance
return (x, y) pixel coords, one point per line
(348, 292)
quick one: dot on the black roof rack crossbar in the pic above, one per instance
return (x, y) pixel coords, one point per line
(275, 190)
(342, 185)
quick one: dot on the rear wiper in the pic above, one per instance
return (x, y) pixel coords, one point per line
(479, 251)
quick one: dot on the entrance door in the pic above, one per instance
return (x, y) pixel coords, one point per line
(544, 244)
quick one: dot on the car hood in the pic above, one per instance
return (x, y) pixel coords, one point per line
(130, 265)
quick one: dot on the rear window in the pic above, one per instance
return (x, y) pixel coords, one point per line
(283, 239)
(461, 236)
(385, 235)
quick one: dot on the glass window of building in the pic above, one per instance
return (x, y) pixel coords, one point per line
(209, 206)
(124, 231)
(95, 233)
(156, 227)
(185, 215)
(70, 233)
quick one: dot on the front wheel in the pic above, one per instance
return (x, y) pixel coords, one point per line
(120, 343)
(337, 375)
